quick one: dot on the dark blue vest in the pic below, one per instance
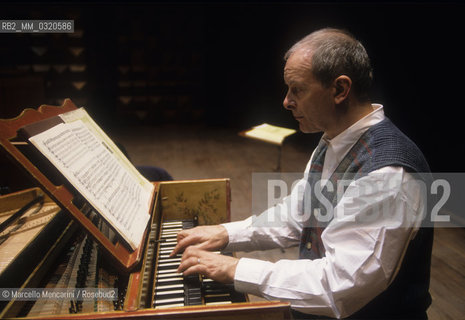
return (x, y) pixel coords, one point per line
(383, 145)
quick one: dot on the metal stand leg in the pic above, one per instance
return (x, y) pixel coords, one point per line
(278, 166)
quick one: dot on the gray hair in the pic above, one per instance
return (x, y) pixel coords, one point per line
(336, 52)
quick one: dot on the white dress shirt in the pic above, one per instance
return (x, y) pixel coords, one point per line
(360, 260)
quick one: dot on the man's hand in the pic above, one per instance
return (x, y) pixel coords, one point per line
(212, 265)
(210, 238)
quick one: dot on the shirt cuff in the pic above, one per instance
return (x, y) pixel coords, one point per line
(236, 232)
(249, 274)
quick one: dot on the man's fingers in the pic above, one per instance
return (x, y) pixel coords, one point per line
(184, 242)
(187, 263)
(175, 251)
(195, 269)
(191, 242)
(205, 237)
(179, 247)
(212, 265)
(181, 235)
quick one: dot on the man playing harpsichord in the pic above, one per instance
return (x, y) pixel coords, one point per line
(350, 265)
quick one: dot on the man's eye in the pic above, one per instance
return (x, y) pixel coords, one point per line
(295, 90)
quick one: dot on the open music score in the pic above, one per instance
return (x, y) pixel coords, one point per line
(101, 174)
(268, 133)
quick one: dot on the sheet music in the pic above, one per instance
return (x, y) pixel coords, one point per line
(93, 169)
(81, 114)
(269, 133)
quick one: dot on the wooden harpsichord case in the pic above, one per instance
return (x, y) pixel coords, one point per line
(94, 222)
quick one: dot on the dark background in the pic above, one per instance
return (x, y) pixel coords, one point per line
(220, 64)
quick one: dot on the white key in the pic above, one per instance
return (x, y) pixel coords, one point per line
(171, 231)
(172, 224)
(169, 260)
(169, 236)
(173, 270)
(169, 242)
(165, 239)
(169, 264)
(167, 256)
(164, 293)
(165, 251)
(217, 302)
(168, 274)
(167, 246)
(169, 279)
(173, 235)
(172, 305)
(170, 300)
(171, 286)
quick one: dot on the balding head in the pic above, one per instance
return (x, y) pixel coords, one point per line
(330, 53)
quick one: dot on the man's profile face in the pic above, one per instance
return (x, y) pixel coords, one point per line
(309, 101)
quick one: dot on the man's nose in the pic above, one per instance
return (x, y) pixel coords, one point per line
(287, 103)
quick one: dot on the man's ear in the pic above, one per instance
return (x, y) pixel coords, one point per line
(342, 85)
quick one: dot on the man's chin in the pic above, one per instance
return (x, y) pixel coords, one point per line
(305, 129)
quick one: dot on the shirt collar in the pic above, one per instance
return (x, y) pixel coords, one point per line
(358, 128)
(341, 144)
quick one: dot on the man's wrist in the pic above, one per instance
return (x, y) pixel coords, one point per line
(223, 237)
(235, 232)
